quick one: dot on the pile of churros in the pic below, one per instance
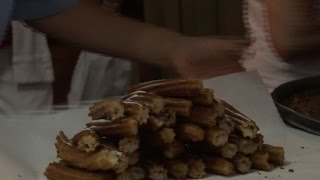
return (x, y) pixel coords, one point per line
(172, 128)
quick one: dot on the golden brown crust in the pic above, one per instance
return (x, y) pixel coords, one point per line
(127, 127)
(219, 166)
(227, 151)
(86, 140)
(203, 116)
(205, 97)
(133, 158)
(260, 161)
(154, 102)
(174, 150)
(190, 132)
(160, 138)
(244, 124)
(226, 123)
(100, 122)
(155, 170)
(155, 122)
(58, 171)
(196, 167)
(245, 145)
(135, 172)
(181, 107)
(137, 110)
(259, 140)
(241, 163)
(169, 118)
(178, 169)
(107, 109)
(217, 136)
(129, 144)
(276, 154)
(104, 159)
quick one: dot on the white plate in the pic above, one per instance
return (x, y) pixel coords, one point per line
(27, 141)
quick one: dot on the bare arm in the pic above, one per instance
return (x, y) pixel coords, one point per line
(90, 27)
(294, 30)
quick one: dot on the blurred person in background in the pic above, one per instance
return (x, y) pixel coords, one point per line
(85, 25)
(285, 36)
(26, 73)
(40, 72)
(99, 76)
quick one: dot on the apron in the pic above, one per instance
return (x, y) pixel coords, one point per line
(25, 76)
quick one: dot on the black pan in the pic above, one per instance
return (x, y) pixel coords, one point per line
(290, 116)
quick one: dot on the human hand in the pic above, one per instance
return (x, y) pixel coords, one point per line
(209, 57)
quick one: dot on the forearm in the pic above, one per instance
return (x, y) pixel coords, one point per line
(90, 27)
(292, 29)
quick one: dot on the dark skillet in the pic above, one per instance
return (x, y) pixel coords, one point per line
(291, 117)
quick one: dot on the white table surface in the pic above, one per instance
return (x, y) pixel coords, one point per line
(27, 141)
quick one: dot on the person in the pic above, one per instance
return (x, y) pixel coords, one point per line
(83, 24)
(285, 39)
(26, 72)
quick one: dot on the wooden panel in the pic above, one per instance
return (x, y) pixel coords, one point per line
(199, 17)
(172, 14)
(153, 11)
(187, 17)
(205, 17)
(165, 13)
(230, 17)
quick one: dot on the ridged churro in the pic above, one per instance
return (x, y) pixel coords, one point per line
(154, 102)
(106, 158)
(174, 150)
(217, 136)
(86, 140)
(57, 171)
(276, 154)
(127, 127)
(190, 132)
(171, 87)
(181, 107)
(205, 97)
(107, 109)
(241, 163)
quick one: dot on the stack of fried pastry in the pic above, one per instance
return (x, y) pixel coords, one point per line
(165, 128)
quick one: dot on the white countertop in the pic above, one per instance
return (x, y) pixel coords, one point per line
(27, 141)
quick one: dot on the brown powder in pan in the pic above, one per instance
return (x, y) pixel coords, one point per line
(306, 102)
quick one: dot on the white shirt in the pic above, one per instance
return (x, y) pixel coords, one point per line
(26, 74)
(262, 57)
